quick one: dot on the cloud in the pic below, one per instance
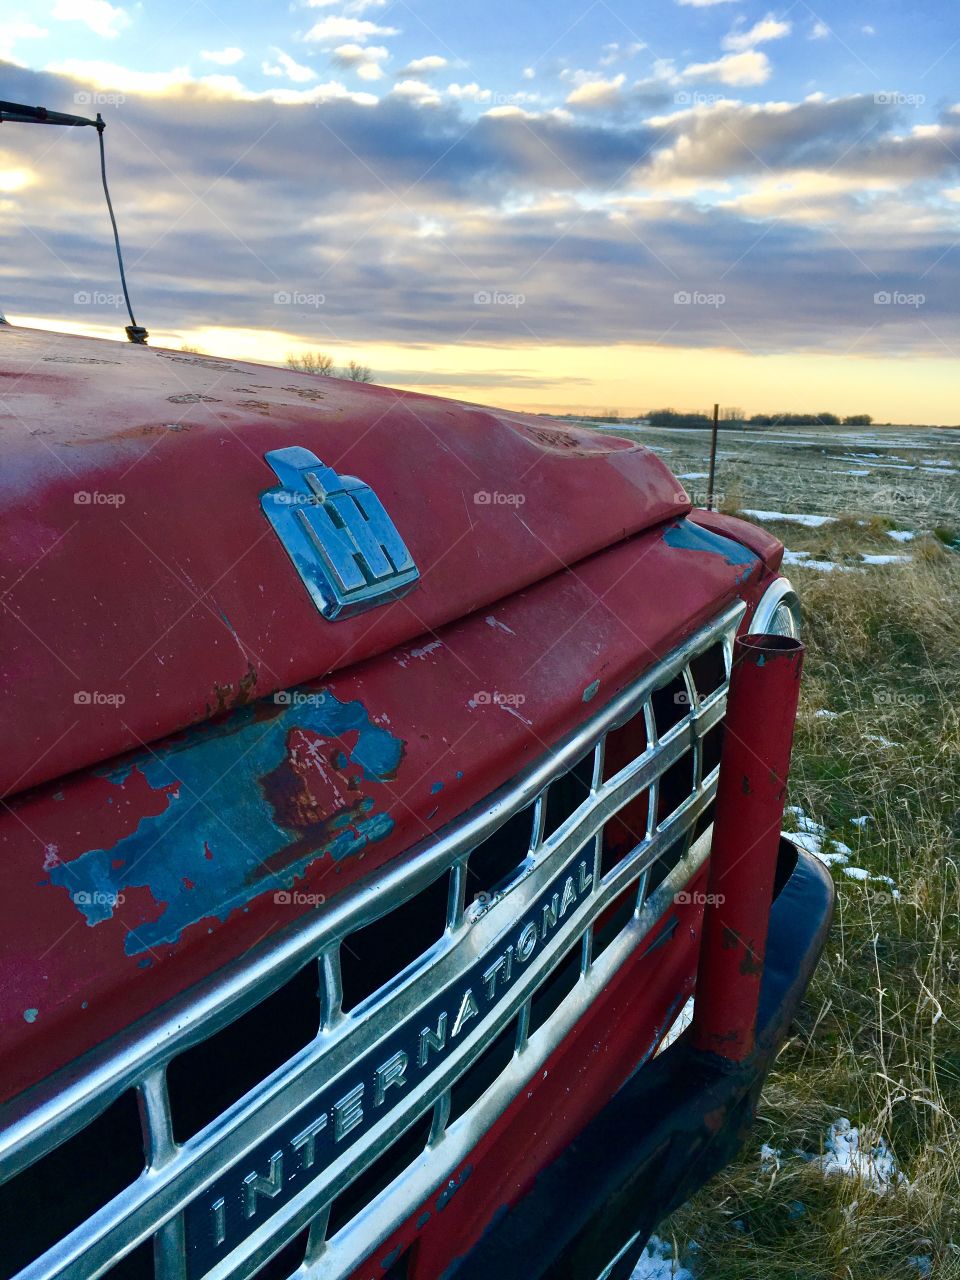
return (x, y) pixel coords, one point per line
(285, 66)
(12, 32)
(597, 93)
(768, 28)
(469, 92)
(748, 68)
(820, 31)
(102, 18)
(424, 66)
(351, 6)
(222, 57)
(417, 91)
(529, 73)
(587, 218)
(365, 59)
(703, 4)
(338, 28)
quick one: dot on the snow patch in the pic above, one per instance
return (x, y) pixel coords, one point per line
(901, 535)
(874, 1166)
(884, 559)
(658, 1263)
(811, 522)
(812, 837)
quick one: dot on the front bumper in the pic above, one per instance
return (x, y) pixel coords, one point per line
(678, 1120)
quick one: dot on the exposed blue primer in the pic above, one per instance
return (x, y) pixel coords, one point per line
(221, 841)
(687, 536)
(437, 786)
(30, 1015)
(459, 774)
(591, 691)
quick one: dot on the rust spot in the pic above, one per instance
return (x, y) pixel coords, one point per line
(192, 397)
(258, 406)
(745, 785)
(306, 393)
(226, 698)
(143, 431)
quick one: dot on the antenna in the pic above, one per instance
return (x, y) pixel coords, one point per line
(18, 113)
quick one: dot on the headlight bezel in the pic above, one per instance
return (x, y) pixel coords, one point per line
(779, 601)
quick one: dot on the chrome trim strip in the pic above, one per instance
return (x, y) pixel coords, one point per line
(46, 1116)
(778, 591)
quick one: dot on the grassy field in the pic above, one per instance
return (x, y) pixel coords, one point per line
(878, 739)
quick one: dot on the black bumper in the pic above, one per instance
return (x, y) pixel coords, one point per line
(677, 1121)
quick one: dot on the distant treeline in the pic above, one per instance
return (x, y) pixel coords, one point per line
(672, 418)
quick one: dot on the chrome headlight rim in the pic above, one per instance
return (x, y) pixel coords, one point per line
(779, 606)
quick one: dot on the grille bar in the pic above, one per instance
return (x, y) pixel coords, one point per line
(175, 1174)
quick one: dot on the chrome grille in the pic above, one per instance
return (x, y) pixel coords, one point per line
(587, 847)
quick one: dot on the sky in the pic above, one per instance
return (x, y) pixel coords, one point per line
(579, 206)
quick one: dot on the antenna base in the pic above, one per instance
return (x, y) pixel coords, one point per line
(137, 333)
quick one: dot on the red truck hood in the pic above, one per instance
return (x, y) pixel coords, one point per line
(143, 588)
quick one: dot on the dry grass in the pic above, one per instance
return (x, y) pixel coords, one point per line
(878, 1037)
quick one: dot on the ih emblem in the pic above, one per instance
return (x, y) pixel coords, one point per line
(338, 535)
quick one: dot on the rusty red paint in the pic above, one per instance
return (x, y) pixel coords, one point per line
(761, 709)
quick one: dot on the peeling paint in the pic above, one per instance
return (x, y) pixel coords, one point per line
(240, 821)
(687, 536)
(591, 691)
(30, 1015)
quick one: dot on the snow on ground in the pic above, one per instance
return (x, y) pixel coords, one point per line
(879, 738)
(658, 1263)
(901, 535)
(874, 1166)
(824, 714)
(694, 475)
(803, 559)
(812, 836)
(811, 522)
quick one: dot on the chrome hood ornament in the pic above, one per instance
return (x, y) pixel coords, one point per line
(336, 531)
